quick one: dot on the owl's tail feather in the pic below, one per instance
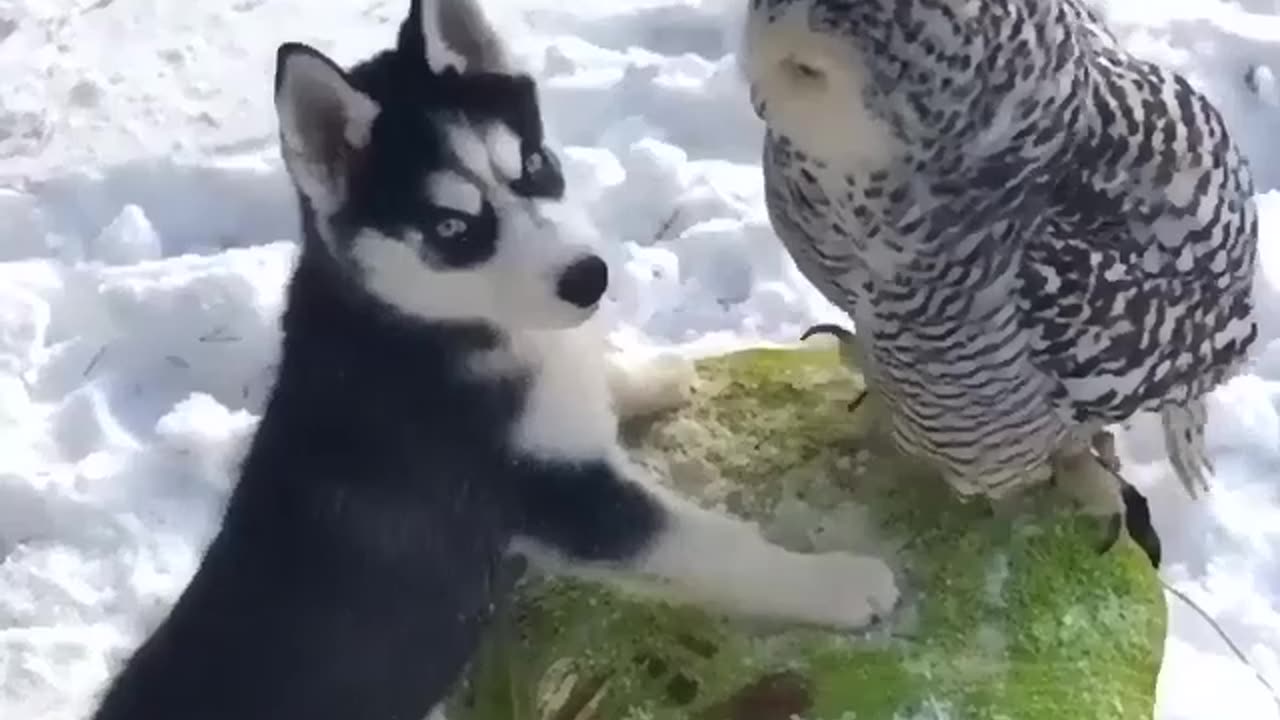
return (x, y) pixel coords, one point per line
(1184, 442)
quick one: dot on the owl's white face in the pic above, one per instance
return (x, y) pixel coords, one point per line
(863, 79)
(813, 87)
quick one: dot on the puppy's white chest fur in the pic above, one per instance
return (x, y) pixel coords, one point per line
(568, 411)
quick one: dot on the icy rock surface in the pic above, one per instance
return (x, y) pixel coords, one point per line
(1011, 614)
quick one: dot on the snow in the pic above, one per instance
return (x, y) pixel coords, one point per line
(148, 233)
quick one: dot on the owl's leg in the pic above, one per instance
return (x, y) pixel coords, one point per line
(852, 355)
(1093, 481)
(1087, 481)
(1104, 446)
(1184, 441)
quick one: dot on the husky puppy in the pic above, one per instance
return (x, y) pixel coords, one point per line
(440, 407)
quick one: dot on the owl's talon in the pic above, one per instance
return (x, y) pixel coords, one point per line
(855, 403)
(1104, 494)
(841, 335)
(850, 354)
(1137, 519)
(850, 348)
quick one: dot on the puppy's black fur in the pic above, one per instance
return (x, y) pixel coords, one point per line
(359, 555)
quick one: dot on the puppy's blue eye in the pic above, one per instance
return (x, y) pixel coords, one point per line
(533, 162)
(450, 228)
(456, 238)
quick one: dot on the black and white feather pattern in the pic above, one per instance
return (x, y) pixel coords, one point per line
(1036, 233)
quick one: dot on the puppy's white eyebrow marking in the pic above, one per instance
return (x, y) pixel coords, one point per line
(504, 150)
(449, 189)
(470, 151)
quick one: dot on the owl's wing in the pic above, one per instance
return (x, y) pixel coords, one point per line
(825, 260)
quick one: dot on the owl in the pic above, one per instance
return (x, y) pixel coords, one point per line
(1036, 233)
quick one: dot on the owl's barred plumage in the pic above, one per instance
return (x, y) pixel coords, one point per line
(1036, 233)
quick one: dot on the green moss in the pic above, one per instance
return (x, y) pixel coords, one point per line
(1012, 612)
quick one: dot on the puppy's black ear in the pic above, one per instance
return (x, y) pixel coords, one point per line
(324, 123)
(452, 35)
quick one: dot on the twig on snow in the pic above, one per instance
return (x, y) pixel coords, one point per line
(666, 226)
(218, 334)
(93, 361)
(1225, 638)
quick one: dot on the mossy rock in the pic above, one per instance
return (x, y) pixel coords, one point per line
(1011, 613)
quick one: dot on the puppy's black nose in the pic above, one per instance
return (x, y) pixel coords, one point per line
(583, 282)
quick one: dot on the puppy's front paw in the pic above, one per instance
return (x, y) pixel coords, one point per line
(671, 376)
(652, 386)
(850, 591)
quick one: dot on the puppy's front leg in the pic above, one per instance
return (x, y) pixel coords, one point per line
(596, 520)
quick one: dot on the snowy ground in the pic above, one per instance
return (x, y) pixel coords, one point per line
(147, 231)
